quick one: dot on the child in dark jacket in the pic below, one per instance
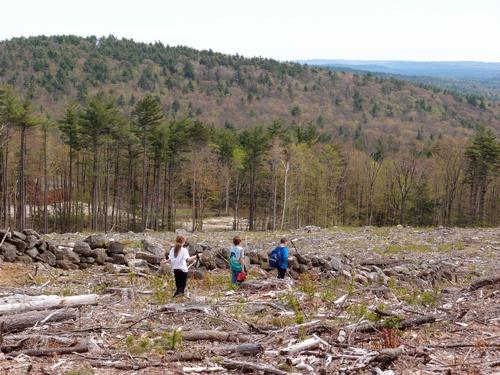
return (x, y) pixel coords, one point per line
(283, 258)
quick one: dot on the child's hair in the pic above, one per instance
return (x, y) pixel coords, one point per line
(283, 240)
(236, 240)
(179, 241)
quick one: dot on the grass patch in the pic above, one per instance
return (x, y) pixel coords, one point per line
(140, 345)
(420, 248)
(360, 311)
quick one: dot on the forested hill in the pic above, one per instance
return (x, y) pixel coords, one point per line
(224, 89)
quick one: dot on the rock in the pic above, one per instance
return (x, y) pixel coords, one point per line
(48, 258)
(302, 259)
(196, 274)
(165, 269)
(9, 251)
(208, 260)
(3, 232)
(31, 232)
(360, 279)
(100, 256)
(19, 235)
(24, 259)
(311, 229)
(83, 249)
(253, 257)
(90, 260)
(154, 247)
(32, 253)
(134, 263)
(116, 248)
(401, 269)
(109, 268)
(72, 256)
(119, 259)
(51, 246)
(41, 245)
(96, 241)
(66, 264)
(148, 257)
(336, 264)
(31, 241)
(264, 255)
(83, 266)
(19, 244)
(346, 274)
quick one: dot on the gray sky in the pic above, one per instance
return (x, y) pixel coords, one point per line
(285, 30)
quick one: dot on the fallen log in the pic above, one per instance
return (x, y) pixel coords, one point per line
(81, 348)
(484, 281)
(207, 335)
(403, 324)
(20, 322)
(251, 366)
(48, 302)
(308, 344)
(174, 308)
(184, 357)
(243, 349)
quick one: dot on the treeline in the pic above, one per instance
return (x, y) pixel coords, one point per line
(96, 167)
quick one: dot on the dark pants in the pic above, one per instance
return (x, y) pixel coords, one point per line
(281, 273)
(180, 281)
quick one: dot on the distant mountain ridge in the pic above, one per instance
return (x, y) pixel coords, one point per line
(468, 76)
(231, 90)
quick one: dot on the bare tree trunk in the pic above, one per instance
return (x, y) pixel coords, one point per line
(286, 166)
(45, 184)
(22, 180)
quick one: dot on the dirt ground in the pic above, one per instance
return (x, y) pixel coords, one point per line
(388, 301)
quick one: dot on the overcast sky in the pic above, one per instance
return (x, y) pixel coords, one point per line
(282, 29)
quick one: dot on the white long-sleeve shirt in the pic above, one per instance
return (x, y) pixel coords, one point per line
(179, 262)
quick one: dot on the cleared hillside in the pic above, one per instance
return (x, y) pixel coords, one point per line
(221, 89)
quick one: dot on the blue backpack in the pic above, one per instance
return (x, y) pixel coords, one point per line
(234, 263)
(275, 257)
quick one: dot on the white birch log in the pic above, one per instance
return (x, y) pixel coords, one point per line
(48, 302)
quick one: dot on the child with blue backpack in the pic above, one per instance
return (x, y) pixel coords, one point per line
(279, 258)
(237, 261)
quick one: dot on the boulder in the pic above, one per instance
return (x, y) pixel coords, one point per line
(154, 247)
(116, 248)
(47, 258)
(33, 253)
(90, 260)
(31, 241)
(83, 249)
(9, 252)
(42, 247)
(360, 279)
(207, 260)
(19, 235)
(97, 241)
(66, 264)
(336, 264)
(19, 244)
(119, 259)
(4, 233)
(51, 246)
(253, 257)
(100, 256)
(148, 257)
(196, 274)
(70, 255)
(31, 232)
(24, 259)
(134, 263)
(302, 259)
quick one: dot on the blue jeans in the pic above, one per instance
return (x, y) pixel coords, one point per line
(234, 274)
